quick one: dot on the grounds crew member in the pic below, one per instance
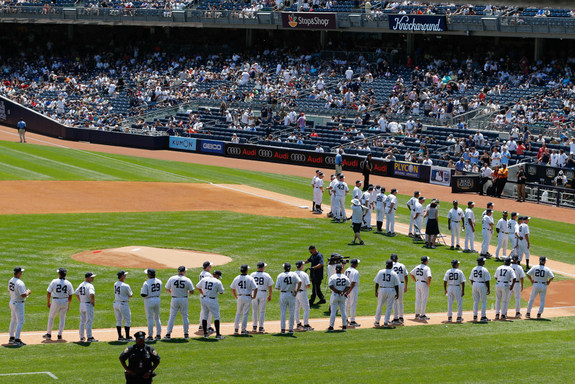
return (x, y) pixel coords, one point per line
(142, 361)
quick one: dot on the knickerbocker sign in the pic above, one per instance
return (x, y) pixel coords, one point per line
(309, 20)
(417, 23)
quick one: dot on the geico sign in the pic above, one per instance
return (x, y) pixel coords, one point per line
(298, 157)
(265, 153)
(217, 147)
(234, 151)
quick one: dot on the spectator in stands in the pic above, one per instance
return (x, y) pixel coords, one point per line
(520, 148)
(562, 158)
(560, 180)
(319, 149)
(427, 161)
(571, 161)
(495, 157)
(505, 155)
(486, 176)
(235, 139)
(460, 166)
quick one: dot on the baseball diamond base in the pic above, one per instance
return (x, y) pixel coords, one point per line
(148, 257)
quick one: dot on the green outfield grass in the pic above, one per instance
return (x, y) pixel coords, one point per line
(42, 243)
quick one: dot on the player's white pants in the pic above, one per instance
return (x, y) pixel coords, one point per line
(317, 196)
(338, 301)
(340, 207)
(398, 304)
(502, 243)
(469, 238)
(418, 226)
(479, 294)
(332, 202)
(486, 240)
(384, 296)
(411, 222)
(454, 294)
(502, 296)
(242, 311)
(86, 319)
(517, 294)
(179, 304)
(259, 308)
(210, 308)
(390, 222)
(367, 219)
(541, 290)
(302, 302)
(57, 307)
(379, 214)
(17, 319)
(152, 307)
(421, 296)
(522, 250)
(287, 300)
(122, 312)
(209, 318)
(351, 303)
(513, 241)
(455, 233)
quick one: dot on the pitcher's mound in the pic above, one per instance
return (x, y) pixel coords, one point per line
(148, 257)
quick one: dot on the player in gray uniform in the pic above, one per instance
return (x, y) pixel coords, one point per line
(179, 287)
(244, 289)
(351, 301)
(505, 280)
(540, 276)
(209, 287)
(265, 285)
(207, 267)
(380, 199)
(411, 206)
(454, 287)
(518, 287)
(86, 294)
(60, 291)
(479, 278)
(422, 277)
(454, 219)
(151, 291)
(387, 291)
(122, 294)
(339, 285)
(18, 295)
(401, 271)
(301, 300)
(288, 283)
(502, 229)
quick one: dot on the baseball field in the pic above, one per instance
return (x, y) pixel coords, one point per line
(57, 202)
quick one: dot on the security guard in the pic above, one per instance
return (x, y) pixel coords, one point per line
(142, 361)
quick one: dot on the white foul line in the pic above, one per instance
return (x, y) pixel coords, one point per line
(31, 373)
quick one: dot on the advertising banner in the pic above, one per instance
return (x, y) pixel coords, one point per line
(405, 169)
(465, 183)
(212, 146)
(440, 175)
(309, 20)
(417, 23)
(546, 175)
(183, 143)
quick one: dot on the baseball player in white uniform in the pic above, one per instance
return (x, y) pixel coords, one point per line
(122, 294)
(512, 229)
(341, 189)
(244, 289)
(469, 228)
(351, 301)
(518, 287)
(523, 241)
(318, 193)
(401, 271)
(179, 287)
(387, 291)
(86, 294)
(331, 189)
(480, 278)
(380, 199)
(391, 207)
(317, 171)
(207, 267)
(288, 283)
(151, 290)
(487, 232)
(339, 285)
(301, 300)
(419, 230)
(540, 276)
(422, 277)
(265, 285)
(505, 279)
(502, 229)
(59, 295)
(455, 217)
(454, 287)
(209, 288)
(366, 199)
(18, 295)
(411, 205)
(357, 191)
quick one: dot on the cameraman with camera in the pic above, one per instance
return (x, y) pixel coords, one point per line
(316, 275)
